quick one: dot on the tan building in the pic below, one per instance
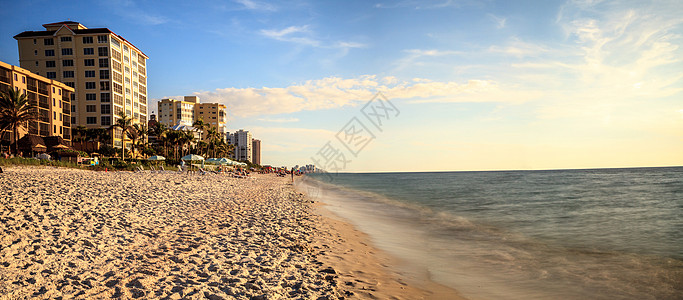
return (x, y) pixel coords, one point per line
(256, 151)
(173, 112)
(53, 99)
(107, 72)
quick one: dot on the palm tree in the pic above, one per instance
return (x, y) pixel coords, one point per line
(124, 123)
(201, 126)
(214, 137)
(16, 110)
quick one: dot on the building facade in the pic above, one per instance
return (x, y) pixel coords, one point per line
(243, 145)
(187, 111)
(256, 151)
(107, 72)
(52, 99)
(173, 112)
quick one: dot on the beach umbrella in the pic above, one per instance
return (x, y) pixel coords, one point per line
(155, 157)
(191, 158)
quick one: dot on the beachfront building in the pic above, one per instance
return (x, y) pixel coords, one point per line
(52, 98)
(256, 151)
(107, 72)
(174, 112)
(213, 114)
(242, 141)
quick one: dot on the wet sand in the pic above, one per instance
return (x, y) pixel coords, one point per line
(79, 234)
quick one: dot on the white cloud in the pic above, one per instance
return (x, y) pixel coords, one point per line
(279, 120)
(335, 92)
(500, 21)
(255, 5)
(305, 36)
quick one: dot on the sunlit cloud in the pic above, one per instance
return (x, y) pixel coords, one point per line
(279, 120)
(335, 92)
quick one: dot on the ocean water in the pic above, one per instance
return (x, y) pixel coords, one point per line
(560, 234)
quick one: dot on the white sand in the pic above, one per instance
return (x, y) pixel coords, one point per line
(79, 234)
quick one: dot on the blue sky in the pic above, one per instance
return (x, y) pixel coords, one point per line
(480, 85)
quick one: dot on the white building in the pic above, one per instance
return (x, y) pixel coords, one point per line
(243, 145)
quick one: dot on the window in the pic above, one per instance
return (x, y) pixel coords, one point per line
(104, 85)
(102, 39)
(116, 55)
(118, 88)
(91, 120)
(66, 39)
(90, 85)
(116, 42)
(88, 51)
(48, 42)
(87, 40)
(50, 64)
(51, 75)
(49, 52)
(105, 97)
(73, 109)
(68, 63)
(106, 120)
(67, 51)
(35, 52)
(89, 73)
(36, 63)
(91, 108)
(73, 120)
(105, 109)
(104, 63)
(68, 74)
(104, 74)
(118, 77)
(89, 62)
(73, 85)
(90, 96)
(103, 51)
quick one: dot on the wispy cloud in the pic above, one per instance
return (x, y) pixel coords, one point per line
(519, 48)
(256, 5)
(499, 21)
(305, 36)
(130, 10)
(279, 120)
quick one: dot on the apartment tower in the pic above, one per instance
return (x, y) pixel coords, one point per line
(52, 98)
(107, 72)
(256, 151)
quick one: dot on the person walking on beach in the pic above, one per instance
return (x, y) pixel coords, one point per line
(292, 175)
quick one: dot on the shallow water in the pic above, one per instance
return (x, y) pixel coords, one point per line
(565, 234)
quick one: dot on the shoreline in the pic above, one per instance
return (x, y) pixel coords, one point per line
(80, 234)
(375, 273)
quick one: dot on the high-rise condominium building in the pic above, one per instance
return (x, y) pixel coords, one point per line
(187, 111)
(256, 151)
(51, 97)
(243, 145)
(108, 73)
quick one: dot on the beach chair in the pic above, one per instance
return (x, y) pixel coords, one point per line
(151, 169)
(161, 169)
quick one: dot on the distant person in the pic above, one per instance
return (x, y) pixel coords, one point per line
(292, 175)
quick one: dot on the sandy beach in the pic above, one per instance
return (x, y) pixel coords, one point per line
(79, 234)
